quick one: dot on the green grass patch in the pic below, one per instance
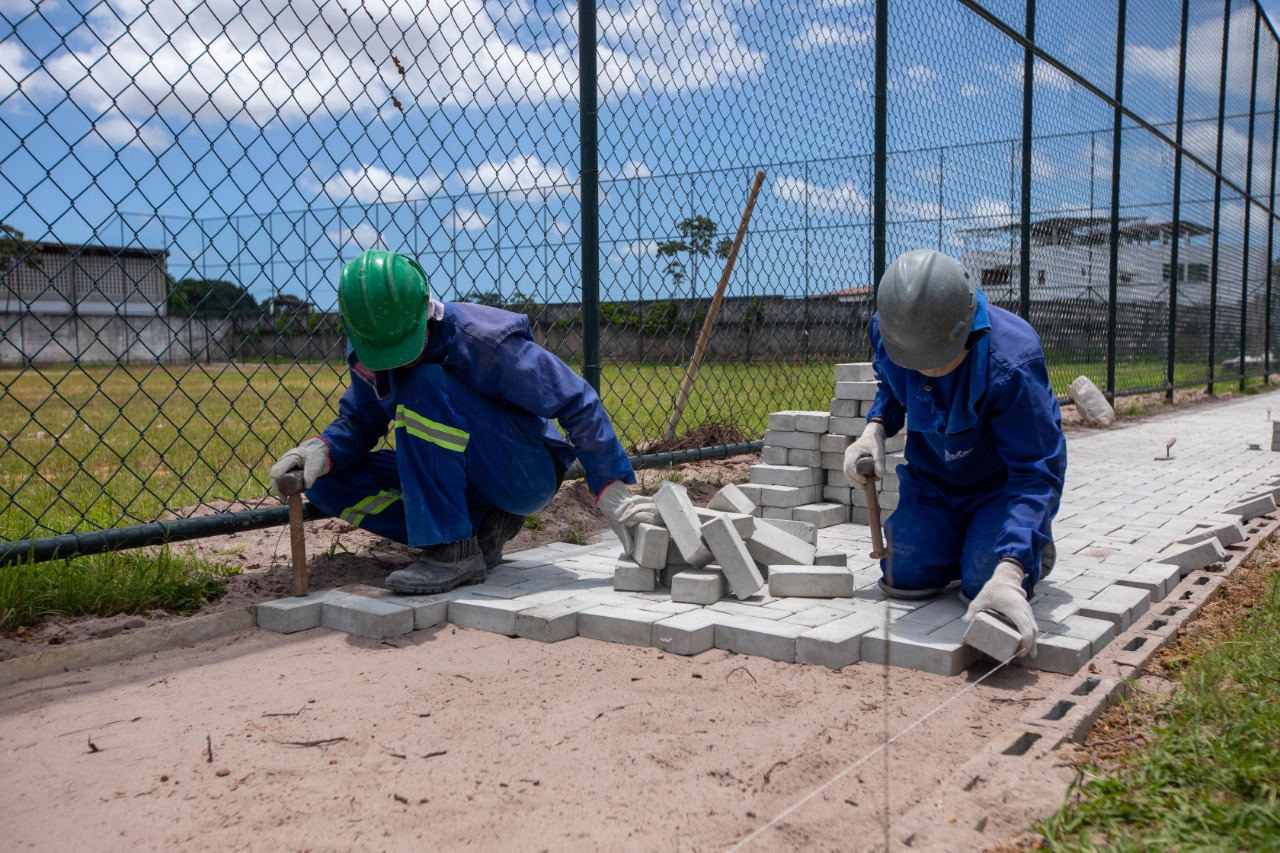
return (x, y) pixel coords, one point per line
(1211, 778)
(107, 585)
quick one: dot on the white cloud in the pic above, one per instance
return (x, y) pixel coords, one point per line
(628, 170)
(845, 198)
(287, 60)
(15, 9)
(1043, 73)
(1204, 56)
(468, 221)
(15, 65)
(817, 36)
(921, 74)
(1041, 168)
(972, 90)
(118, 132)
(637, 249)
(363, 236)
(991, 212)
(367, 184)
(520, 174)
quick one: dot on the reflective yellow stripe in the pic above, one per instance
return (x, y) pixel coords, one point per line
(371, 505)
(450, 438)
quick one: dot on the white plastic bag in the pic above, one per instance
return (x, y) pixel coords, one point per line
(1090, 403)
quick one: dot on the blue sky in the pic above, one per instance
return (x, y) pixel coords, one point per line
(268, 143)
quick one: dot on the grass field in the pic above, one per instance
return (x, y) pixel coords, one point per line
(98, 447)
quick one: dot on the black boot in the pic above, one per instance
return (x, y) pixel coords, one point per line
(497, 528)
(441, 568)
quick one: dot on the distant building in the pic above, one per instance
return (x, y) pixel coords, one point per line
(1071, 257)
(87, 280)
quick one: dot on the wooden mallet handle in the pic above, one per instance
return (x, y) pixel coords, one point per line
(292, 486)
(866, 466)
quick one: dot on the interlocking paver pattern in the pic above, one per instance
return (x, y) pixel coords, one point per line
(1126, 533)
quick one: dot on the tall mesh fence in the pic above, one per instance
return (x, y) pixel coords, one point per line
(181, 182)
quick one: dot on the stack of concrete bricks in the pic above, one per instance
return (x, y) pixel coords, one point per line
(704, 554)
(1275, 435)
(801, 475)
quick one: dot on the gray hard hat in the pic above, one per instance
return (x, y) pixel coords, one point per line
(926, 302)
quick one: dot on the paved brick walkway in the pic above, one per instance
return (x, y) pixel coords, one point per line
(1118, 536)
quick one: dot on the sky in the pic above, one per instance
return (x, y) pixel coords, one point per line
(266, 142)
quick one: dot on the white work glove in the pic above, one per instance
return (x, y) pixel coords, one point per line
(1003, 595)
(869, 444)
(625, 510)
(312, 456)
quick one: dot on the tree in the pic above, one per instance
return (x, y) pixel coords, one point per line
(696, 235)
(14, 249)
(200, 297)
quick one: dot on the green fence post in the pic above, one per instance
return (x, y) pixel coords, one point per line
(1176, 232)
(1113, 291)
(590, 168)
(1248, 203)
(1271, 222)
(880, 157)
(1217, 198)
(1028, 70)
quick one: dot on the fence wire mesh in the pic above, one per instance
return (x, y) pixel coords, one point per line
(180, 183)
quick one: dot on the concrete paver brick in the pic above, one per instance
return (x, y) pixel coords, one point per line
(836, 644)
(833, 464)
(699, 586)
(805, 530)
(834, 443)
(812, 421)
(1229, 533)
(830, 557)
(783, 475)
(845, 408)
(937, 612)
(812, 617)
(498, 616)
(1117, 612)
(804, 458)
(766, 638)
(786, 497)
(681, 518)
(774, 455)
(850, 427)
(1098, 632)
(821, 514)
(753, 608)
(733, 557)
(689, 633)
(651, 543)
(792, 440)
(731, 499)
(855, 371)
(810, 581)
(1137, 600)
(1059, 653)
(296, 613)
(629, 626)
(1195, 556)
(744, 523)
(783, 421)
(993, 636)
(942, 652)
(842, 495)
(772, 546)
(366, 617)
(856, 390)
(1253, 507)
(775, 513)
(551, 623)
(630, 576)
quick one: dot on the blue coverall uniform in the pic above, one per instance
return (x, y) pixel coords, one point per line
(985, 458)
(473, 430)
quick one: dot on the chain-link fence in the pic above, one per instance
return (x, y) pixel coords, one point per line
(180, 183)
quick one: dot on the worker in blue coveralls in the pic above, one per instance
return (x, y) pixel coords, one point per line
(985, 454)
(472, 400)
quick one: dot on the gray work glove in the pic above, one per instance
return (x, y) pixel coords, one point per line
(869, 444)
(625, 510)
(312, 456)
(1003, 595)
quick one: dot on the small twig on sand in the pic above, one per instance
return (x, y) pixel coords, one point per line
(208, 743)
(322, 742)
(607, 711)
(437, 753)
(769, 772)
(93, 747)
(744, 669)
(463, 677)
(287, 713)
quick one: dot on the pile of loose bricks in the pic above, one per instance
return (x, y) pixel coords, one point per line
(767, 569)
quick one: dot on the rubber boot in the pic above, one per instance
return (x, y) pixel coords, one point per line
(440, 569)
(497, 528)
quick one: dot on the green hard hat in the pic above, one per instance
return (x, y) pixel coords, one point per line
(383, 298)
(926, 302)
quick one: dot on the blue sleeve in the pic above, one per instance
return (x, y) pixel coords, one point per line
(1028, 430)
(886, 408)
(361, 422)
(524, 374)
